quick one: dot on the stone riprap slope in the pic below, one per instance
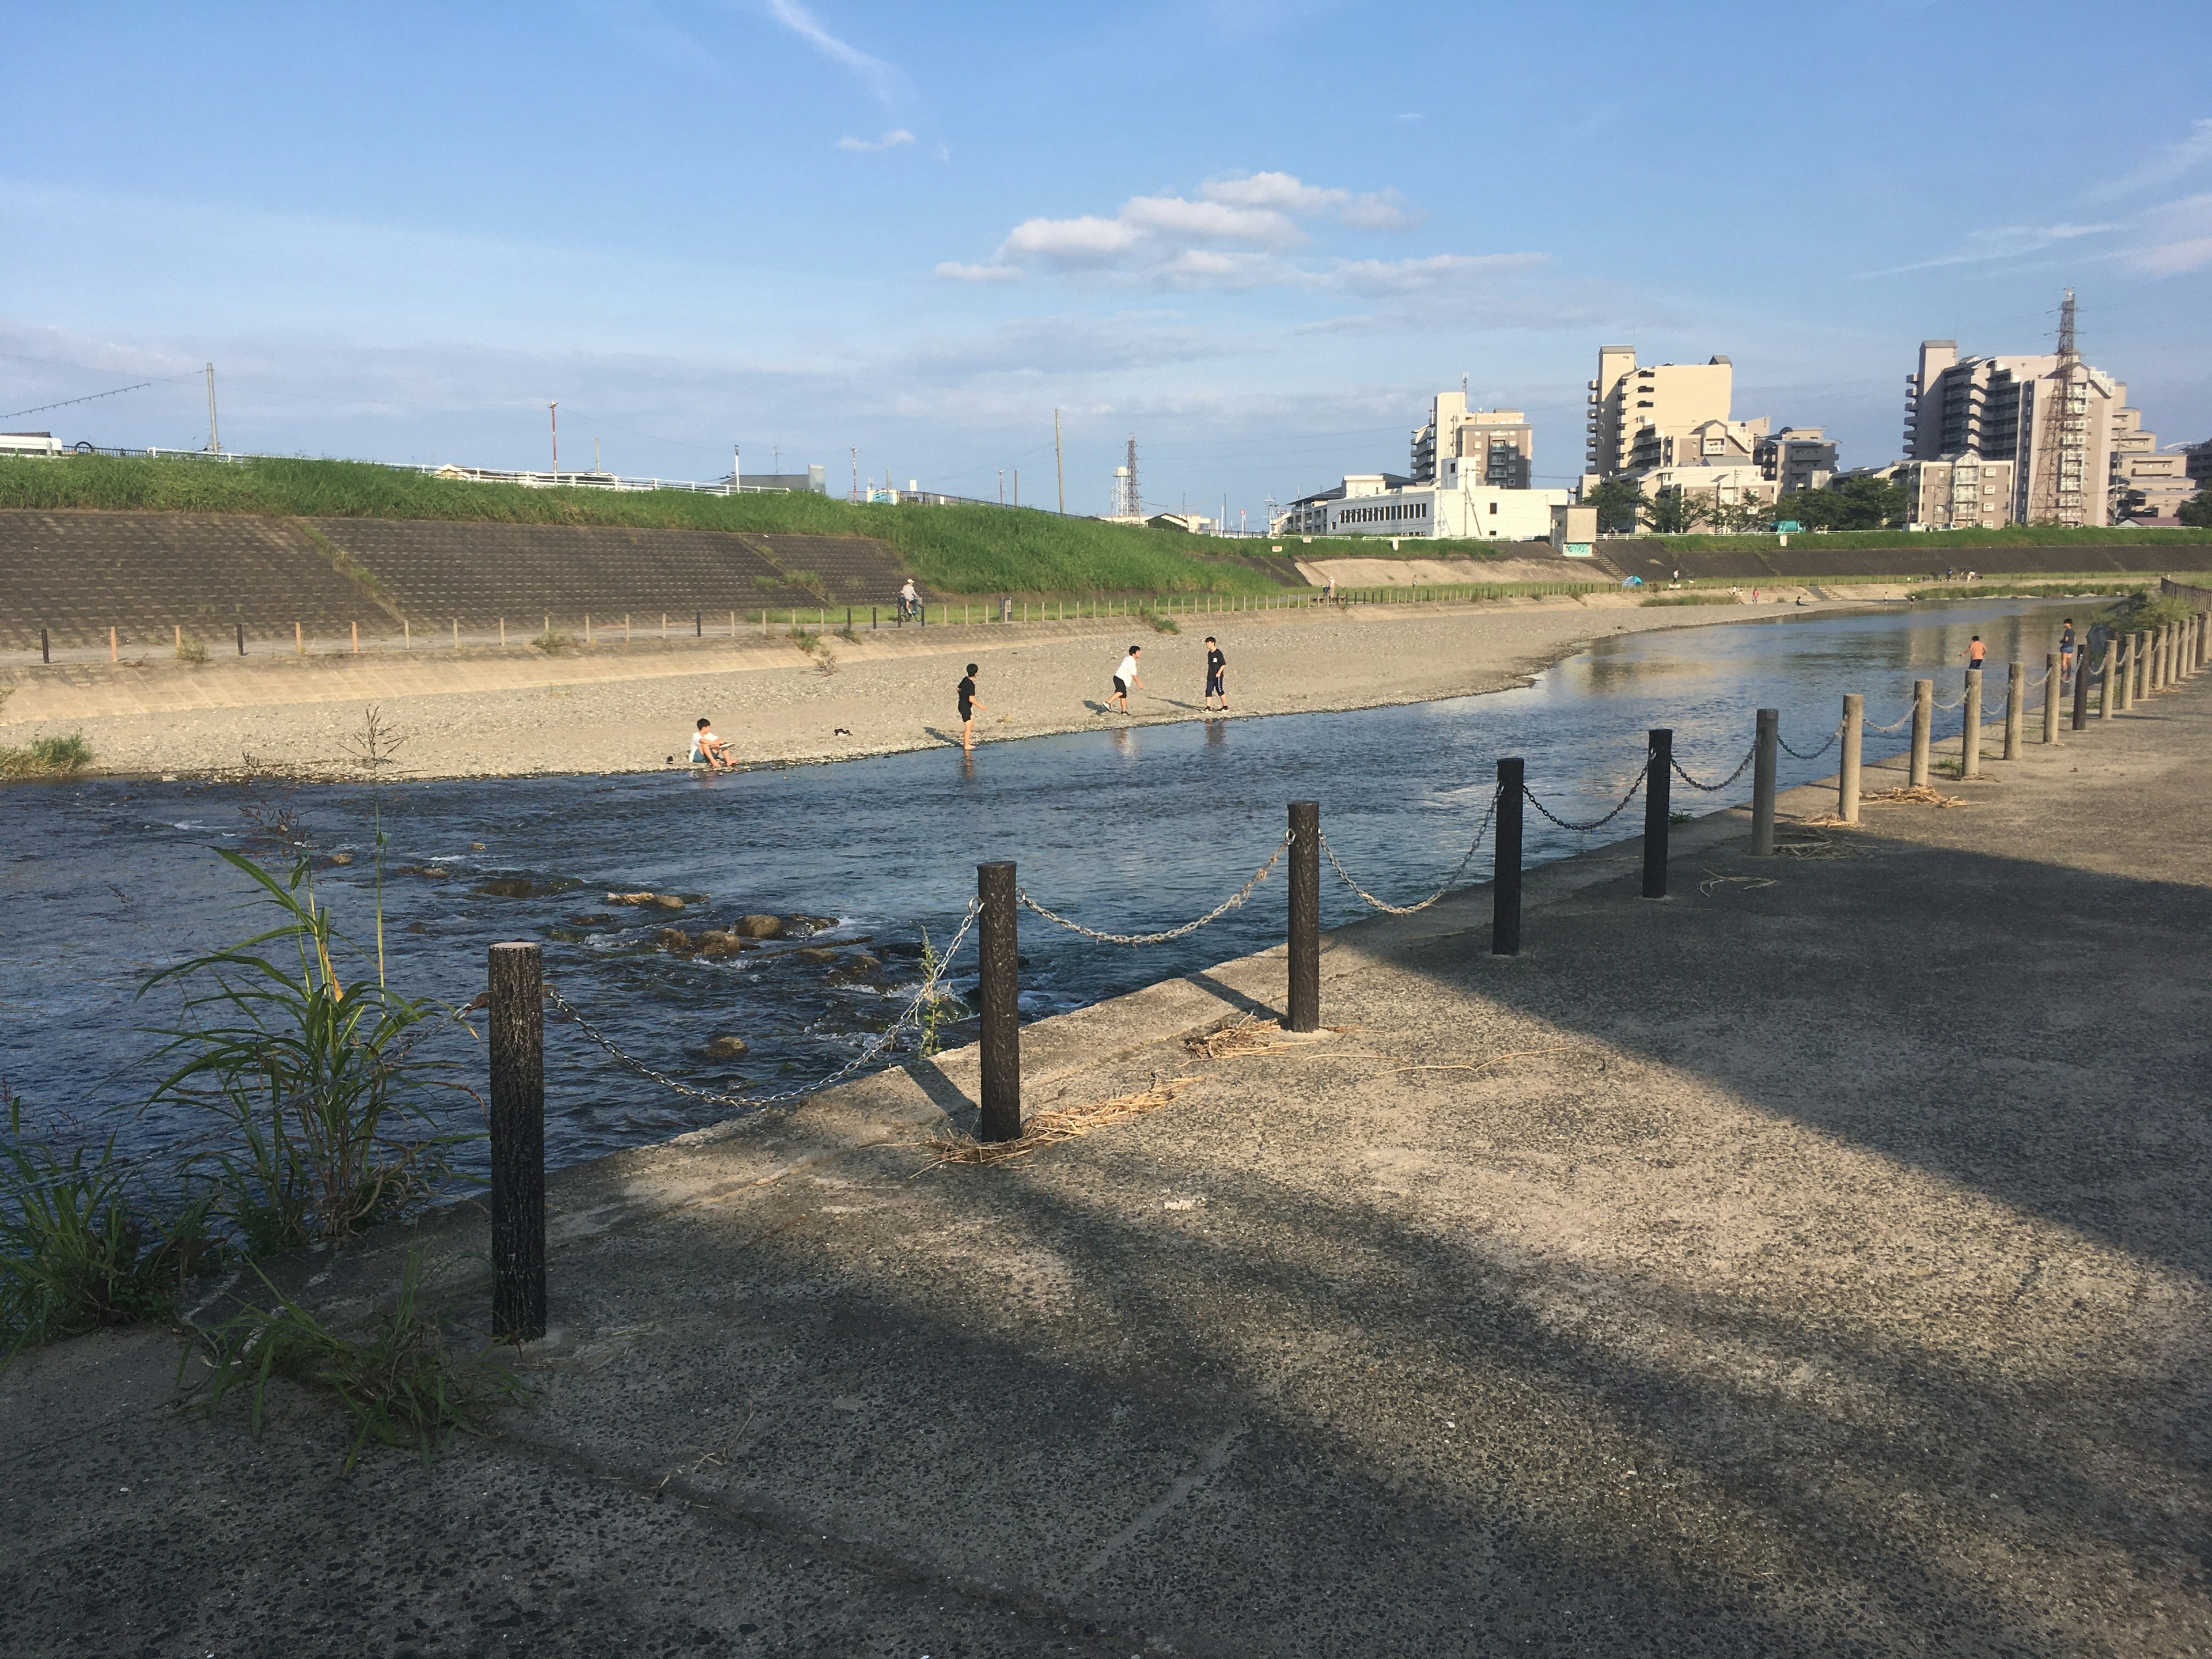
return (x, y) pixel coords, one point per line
(145, 574)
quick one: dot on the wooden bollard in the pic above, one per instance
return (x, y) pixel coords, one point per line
(1765, 757)
(2082, 686)
(998, 944)
(2054, 685)
(502, 630)
(179, 629)
(1505, 861)
(587, 628)
(47, 649)
(457, 632)
(356, 639)
(1969, 735)
(1658, 798)
(2111, 679)
(241, 639)
(518, 1142)
(2016, 702)
(1847, 770)
(1305, 1013)
(299, 641)
(698, 626)
(1924, 726)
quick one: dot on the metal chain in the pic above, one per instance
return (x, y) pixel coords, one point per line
(1750, 755)
(1481, 830)
(869, 1051)
(1594, 823)
(1894, 725)
(1812, 754)
(1165, 935)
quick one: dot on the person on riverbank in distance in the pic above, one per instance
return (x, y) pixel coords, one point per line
(1975, 654)
(2066, 649)
(1125, 679)
(969, 702)
(708, 750)
(1217, 671)
(909, 602)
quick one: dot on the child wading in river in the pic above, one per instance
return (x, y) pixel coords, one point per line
(1126, 680)
(969, 702)
(1217, 671)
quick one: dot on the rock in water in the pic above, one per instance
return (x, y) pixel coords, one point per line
(668, 901)
(728, 1048)
(505, 887)
(674, 940)
(720, 942)
(761, 926)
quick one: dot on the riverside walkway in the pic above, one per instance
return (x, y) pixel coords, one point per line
(1812, 1262)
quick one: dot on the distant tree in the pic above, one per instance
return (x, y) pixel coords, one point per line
(2198, 509)
(1675, 512)
(1867, 504)
(1616, 501)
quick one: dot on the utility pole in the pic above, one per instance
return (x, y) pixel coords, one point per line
(553, 414)
(1002, 486)
(1017, 486)
(1059, 467)
(736, 467)
(214, 434)
(856, 473)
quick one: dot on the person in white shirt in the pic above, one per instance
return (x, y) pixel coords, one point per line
(908, 600)
(708, 750)
(1125, 679)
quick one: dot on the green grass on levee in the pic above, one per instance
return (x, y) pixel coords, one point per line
(957, 549)
(1939, 545)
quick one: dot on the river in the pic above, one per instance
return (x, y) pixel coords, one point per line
(1127, 830)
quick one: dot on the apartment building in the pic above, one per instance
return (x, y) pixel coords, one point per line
(2054, 423)
(1653, 409)
(2146, 481)
(1797, 457)
(1963, 493)
(1462, 448)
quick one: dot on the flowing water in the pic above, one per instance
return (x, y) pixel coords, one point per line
(1126, 829)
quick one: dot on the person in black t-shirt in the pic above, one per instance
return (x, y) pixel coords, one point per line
(1216, 669)
(969, 702)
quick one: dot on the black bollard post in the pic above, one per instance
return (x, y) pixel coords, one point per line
(698, 626)
(518, 1143)
(46, 651)
(1658, 776)
(2081, 688)
(241, 639)
(998, 942)
(1505, 861)
(1305, 917)
(1767, 736)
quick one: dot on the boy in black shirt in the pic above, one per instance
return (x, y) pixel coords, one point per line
(1217, 668)
(969, 702)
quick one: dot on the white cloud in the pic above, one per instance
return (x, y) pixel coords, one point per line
(960, 273)
(2001, 242)
(2183, 231)
(2175, 160)
(1234, 232)
(1436, 273)
(890, 140)
(880, 77)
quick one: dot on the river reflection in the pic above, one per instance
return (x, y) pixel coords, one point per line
(1127, 829)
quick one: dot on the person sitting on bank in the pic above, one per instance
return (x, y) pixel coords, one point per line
(708, 750)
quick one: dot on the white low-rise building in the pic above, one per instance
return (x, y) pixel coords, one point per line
(1369, 507)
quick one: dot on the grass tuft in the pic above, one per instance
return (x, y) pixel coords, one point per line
(1701, 596)
(553, 641)
(46, 757)
(401, 1383)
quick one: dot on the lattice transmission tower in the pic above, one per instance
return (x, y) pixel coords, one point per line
(1128, 503)
(2060, 432)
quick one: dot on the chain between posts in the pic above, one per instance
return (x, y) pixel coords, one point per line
(1749, 755)
(1896, 725)
(1166, 935)
(1811, 754)
(1634, 789)
(869, 1052)
(1467, 857)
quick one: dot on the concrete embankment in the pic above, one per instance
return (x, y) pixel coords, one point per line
(1812, 1262)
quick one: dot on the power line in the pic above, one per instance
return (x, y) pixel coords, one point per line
(67, 402)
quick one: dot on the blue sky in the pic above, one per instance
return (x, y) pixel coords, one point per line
(1257, 236)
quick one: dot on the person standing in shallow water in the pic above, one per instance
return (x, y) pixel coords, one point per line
(1976, 653)
(1125, 679)
(969, 702)
(1217, 671)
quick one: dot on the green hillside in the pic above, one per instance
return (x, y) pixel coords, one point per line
(959, 549)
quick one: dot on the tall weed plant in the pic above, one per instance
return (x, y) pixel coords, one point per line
(321, 1106)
